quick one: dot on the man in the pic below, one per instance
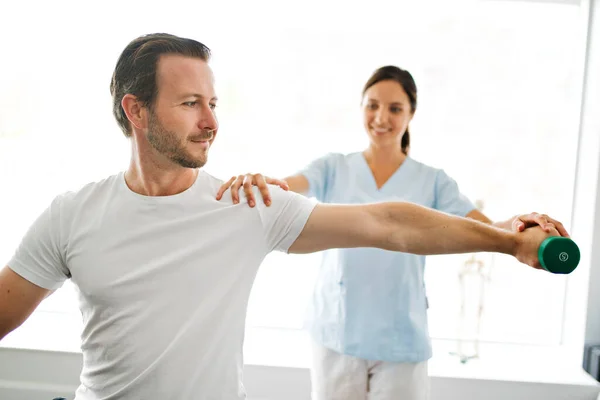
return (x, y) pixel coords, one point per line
(163, 270)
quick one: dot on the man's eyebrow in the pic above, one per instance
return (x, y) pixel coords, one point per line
(198, 96)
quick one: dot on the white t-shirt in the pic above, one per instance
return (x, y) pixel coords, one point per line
(163, 282)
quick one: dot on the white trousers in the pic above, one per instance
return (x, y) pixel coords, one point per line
(336, 376)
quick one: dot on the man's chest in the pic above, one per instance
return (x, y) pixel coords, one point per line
(127, 257)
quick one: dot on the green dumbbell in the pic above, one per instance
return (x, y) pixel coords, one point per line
(559, 255)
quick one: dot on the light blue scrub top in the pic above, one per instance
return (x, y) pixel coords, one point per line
(371, 303)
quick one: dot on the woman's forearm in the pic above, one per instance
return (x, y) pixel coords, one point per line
(298, 184)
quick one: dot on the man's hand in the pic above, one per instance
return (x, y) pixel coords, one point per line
(247, 181)
(528, 243)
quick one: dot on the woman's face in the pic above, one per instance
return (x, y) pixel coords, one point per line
(386, 113)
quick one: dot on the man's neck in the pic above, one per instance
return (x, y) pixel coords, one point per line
(151, 180)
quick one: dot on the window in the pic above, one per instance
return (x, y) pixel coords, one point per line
(499, 88)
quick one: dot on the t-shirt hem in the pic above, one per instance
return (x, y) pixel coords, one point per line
(298, 225)
(17, 267)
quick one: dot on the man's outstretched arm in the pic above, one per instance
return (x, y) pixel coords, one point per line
(411, 228)
(18, 299)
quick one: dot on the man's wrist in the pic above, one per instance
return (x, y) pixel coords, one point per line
(506, 225)
(513, 240)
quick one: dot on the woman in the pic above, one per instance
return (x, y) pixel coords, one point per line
(368, 313)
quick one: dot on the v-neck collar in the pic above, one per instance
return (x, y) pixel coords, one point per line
(371, 178)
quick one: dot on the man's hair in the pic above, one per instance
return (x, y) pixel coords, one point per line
(135, 72)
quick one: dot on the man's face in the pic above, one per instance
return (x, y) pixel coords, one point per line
(182, 124)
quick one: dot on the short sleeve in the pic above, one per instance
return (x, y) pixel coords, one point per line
(320, 175)
(285, 218)
(448, 197)
(40, 256)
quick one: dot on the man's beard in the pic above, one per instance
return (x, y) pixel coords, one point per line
(168, 144)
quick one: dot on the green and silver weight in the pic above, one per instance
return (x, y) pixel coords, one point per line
(559, 255)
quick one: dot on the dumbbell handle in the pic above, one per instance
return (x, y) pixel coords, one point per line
(559, 255)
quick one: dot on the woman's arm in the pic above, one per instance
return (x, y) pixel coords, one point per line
(521, 222)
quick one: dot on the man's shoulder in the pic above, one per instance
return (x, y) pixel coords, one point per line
(90, 191)
(278, 193)
(208, 179)
(284, 201)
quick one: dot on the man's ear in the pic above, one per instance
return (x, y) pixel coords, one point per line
(135, 111)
